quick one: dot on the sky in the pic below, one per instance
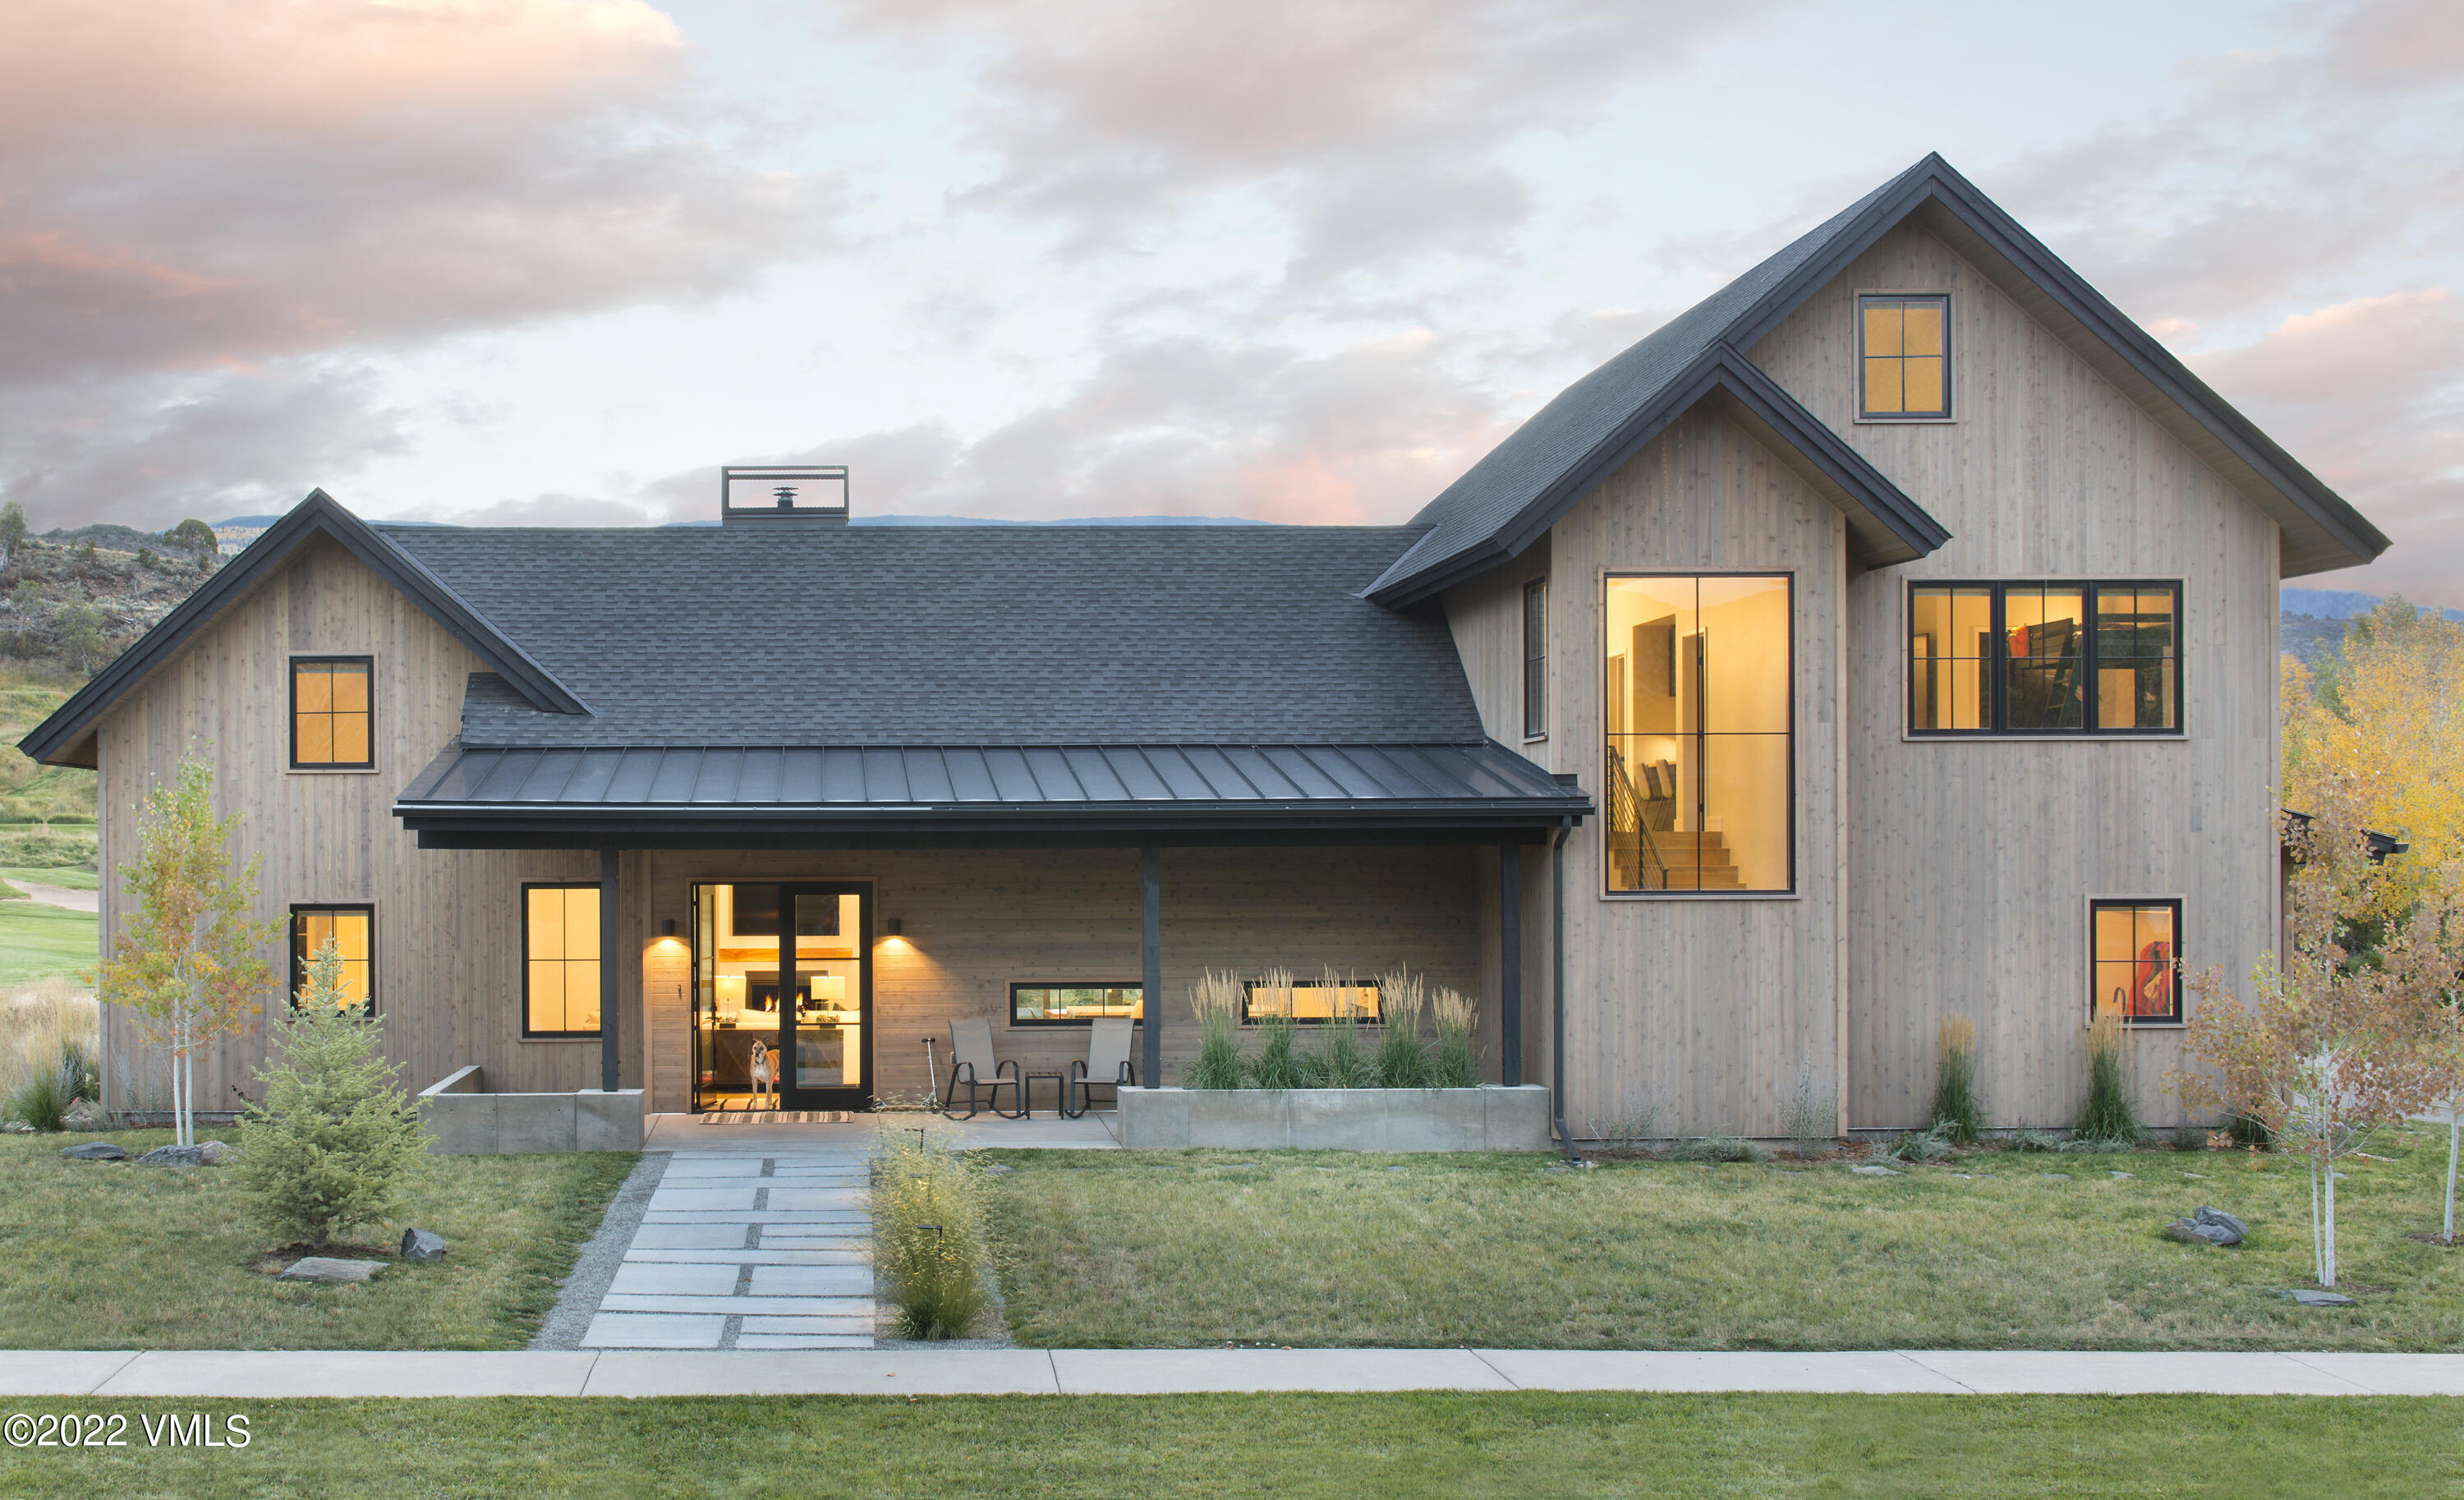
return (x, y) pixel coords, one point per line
(555, 261)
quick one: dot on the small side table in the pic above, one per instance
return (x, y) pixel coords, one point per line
(1059, 1093)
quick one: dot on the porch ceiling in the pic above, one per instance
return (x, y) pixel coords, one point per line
(739, 791)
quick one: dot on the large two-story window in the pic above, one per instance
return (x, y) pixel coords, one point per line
(2045, 658)
(1700, 757)
(333, 718)
(352, 931)
(560, 960)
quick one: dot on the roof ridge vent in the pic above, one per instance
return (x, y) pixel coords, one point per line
(773, 494)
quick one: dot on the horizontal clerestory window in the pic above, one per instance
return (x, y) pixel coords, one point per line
(2045, 658)
(1311, 1001)
(1043, 1005)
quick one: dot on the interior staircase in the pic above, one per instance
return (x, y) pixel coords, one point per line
(1695, 862)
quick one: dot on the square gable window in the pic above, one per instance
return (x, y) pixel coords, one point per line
(1903, 355)
(333, 718)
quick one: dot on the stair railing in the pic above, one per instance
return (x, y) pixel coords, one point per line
(1630, 841)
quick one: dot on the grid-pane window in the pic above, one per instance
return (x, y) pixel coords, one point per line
(1072, 1005)
(1903, 344)
(2134, 961)
(560, 961)
(1698, 774)
(2038, 658)
(1535, 659)
(352, 931)
(332, 720)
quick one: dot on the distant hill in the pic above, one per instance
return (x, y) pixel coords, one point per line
(2313, 622)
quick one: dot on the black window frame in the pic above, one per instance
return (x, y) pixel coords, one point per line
(1134, 987)
(290, 670)
(1998, 663)
(524, 917)
(1611, 891)
(1949, 401)
(1248, 986)
(300, 954)
(1535, 659)
(2180, 1016)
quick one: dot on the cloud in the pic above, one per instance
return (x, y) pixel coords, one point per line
(278, 191)
(1107, 118)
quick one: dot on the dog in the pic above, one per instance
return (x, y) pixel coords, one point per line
(764, 1076)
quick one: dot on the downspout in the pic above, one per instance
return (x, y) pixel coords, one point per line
(1558, 986)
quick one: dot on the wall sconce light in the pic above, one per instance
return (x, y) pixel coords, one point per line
(667, 927)
(890, 928)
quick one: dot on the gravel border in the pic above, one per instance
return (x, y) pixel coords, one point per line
(594, 1269)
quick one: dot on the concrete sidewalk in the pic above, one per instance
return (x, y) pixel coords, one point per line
(265, 1375)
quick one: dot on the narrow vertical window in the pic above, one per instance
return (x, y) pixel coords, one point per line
(1903, 353)
(352, 931)
(2134, 960)
(2138, 656)
(1951, 656)
(560, 961)
(331, 713)
(1535, 659)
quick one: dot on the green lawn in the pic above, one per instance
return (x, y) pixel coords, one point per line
(37, 941)
(1340, 1448)
(68, 877)
(1125, 1249)
(112, 1255)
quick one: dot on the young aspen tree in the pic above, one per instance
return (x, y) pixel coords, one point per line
(187, 959)
(2329, 1046)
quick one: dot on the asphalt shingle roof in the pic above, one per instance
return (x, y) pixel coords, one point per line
(855, 636)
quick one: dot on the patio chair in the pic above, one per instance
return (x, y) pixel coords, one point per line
(1107, 1067)
(972, 1067)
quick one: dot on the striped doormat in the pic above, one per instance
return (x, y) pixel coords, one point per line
(780, 1118)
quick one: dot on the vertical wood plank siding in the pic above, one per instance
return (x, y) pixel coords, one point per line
(1971, 862)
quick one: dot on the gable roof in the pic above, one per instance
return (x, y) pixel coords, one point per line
(66, 738)
(1521, 487)
(933, 635)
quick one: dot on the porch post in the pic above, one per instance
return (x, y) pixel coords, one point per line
(1510, 963)
(1151, 972)
(607, 971)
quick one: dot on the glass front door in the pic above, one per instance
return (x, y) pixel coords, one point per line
(826, 998)
(783, 996)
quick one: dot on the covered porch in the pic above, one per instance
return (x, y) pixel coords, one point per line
(837, 908)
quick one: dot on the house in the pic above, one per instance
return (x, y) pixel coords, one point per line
(1891, 636)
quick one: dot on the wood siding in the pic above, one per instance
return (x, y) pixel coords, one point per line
(448, 933)
(1972, 862)
(1696, 1009)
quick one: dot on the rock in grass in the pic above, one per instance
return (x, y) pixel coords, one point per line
(2311, 1297)
(173, 1157)
(217, 1152)
(2218, 1219)
(329, 1270)
(94, 1151)
(1876, 1171)
(2054, 1177)
(2207, 1227)
(423, 1247)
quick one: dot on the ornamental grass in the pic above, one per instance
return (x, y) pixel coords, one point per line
(1215, 1001)
(928, 1232)
(2108, 1117)
(1957, 1114)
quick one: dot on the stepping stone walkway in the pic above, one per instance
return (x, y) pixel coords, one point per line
(745, 1250)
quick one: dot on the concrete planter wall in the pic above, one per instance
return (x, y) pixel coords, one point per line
(463, 1119)
(1337, 1119)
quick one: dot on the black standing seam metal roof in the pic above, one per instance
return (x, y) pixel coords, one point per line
(778, 787)
(1522, 486)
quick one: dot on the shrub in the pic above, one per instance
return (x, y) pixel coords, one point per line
(1402, 1057)
(1811, 1114)
(2108, 1116)
(42, 1096)
(2249, 1132)
(2189, 1137)
(1452, 1063)
(336, 1143)
(1215, 1000)
(2035, 1140)
(1930, 1145)
(1957, 1112)
(1278, 1064)
(928, 1242)
(1717, 1148)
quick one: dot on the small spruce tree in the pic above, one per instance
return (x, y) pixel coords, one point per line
(336, 1142)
